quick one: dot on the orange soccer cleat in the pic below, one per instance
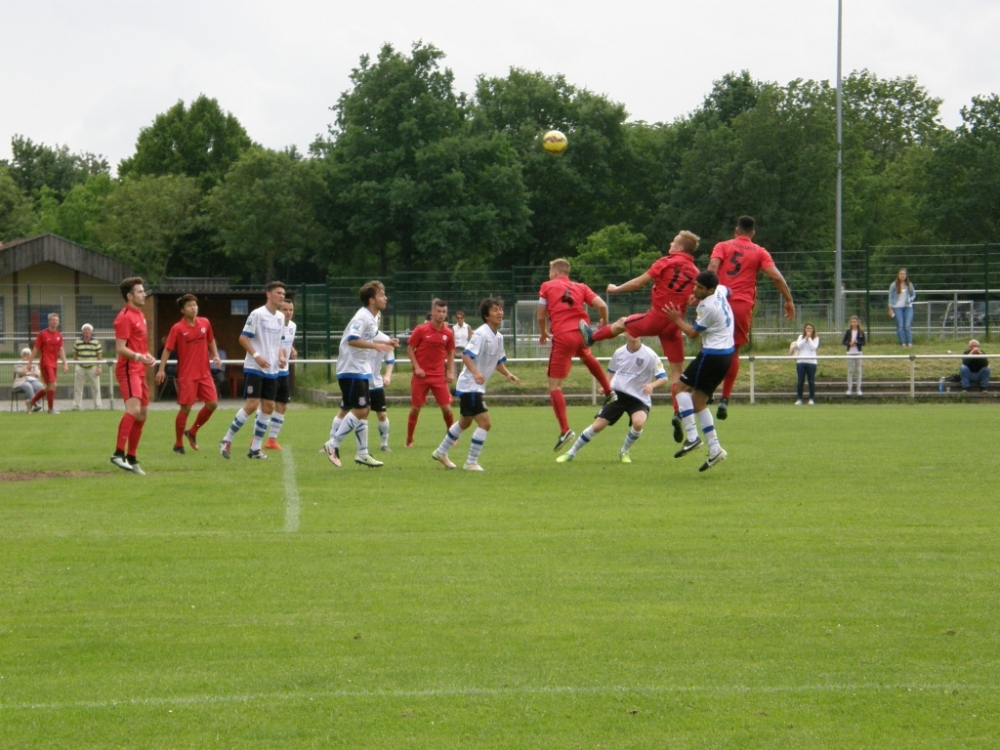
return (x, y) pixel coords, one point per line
(271, 445)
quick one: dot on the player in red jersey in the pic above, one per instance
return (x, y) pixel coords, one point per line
(431, 350)
(132, 352)
(49, 345)
(194, 342)
(673, 278)
(737, 262)
(562, 304)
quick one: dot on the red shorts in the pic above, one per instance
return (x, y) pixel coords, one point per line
(191, 391)
(655, 323)
(134, 385)
(420, 386)
(565, 346)
(742, 316)
(49, 373)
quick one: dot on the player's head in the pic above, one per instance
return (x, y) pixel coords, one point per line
(287, 308)
(275, 291)
(439, 311)
(559, 267)
(746, 226)
(53, 320)
(685, 242)
(632, 342)
(704, 284)
(132, 290)
(373, 296)
(489, 307)
(188, 305)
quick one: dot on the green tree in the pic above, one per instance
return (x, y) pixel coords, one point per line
(265, 210)
(201, 142)
(17, 214)
(34, 166)
(613, 255)
(77, 217)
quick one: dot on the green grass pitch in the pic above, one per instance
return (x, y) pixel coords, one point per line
(834, 584)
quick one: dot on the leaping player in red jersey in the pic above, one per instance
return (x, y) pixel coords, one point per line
(132, 352)
(673, 278)
(564, 303)
(737, 262)
(431, 349)
(193, 340)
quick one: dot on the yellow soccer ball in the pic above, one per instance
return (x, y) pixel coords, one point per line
(554, 142)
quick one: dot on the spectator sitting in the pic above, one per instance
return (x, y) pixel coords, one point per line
(974, 368)
(26, 380)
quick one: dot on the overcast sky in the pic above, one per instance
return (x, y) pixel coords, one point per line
(91, 73)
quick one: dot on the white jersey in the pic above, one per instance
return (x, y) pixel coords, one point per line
(287, 342)
(352, 361)
(486, 348)
(263, 328)
(380, 358)
(715, 321)
(633, 370)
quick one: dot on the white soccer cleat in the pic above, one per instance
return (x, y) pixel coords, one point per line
(367, 460)
(473, 467)
(121, 463)
(134, 468)
(225, 447)
(443, 459)
(714, 460)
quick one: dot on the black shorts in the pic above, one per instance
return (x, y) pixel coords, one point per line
(706, 371)
(255, 386)
(354, 393)
(471, 404)
(284, 393)
(624, 404)
(377, 398)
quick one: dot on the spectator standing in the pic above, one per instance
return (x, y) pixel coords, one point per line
(805, 347)
(462, 331)
(87, 353)
(901, 297)
(974, 368)
(854, 340)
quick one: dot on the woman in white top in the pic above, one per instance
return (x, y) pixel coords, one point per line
(26, 380)
(901, 296)
(805, 347)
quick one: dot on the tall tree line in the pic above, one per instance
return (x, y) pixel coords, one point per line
(414, 175)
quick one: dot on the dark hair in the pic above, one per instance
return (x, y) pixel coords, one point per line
(272, 285)
(745, 224)
(184, 299)
(128, 285)
(707, 279)
(369, 291)
(487, 304)
(438, 303)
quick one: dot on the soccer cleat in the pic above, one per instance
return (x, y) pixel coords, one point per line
(610, 397)
(121, 463)
(225, 446)
(624, 457)
(333, 454)
(192, 441)
(723, 411)
(385, 449)
(473, 467)
(53, 411)
(408, 444)
(713, 460)
(133, 466)
(37, 406)
(587, 333)
(565, 458)
(272, 445)
(367, 460)
(678, 428)
(564, 438)
(443, 459)
(259, 454)
(179, 450)
(689, 445)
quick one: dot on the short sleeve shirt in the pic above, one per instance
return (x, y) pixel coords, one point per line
(715, 321)
(191, 344)
(486, 348)
(130, 325)
(633, 370)
(353, 361)
(264, 327)
(48, 343)
(673, 280)
(566, 303)
(432, 347)
(741, 261)
(379, 359)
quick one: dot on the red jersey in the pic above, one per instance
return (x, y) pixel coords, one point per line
(131, 326)
(191, 344)
(673, 280)
(741, 260)
(432, 347)
(48, 344)
(566, 302)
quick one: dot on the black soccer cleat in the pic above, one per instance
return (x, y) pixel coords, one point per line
(723, 411)
(689, 445)
(678, 428)
(564, 438)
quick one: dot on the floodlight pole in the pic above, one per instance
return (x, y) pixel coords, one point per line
(838, 277)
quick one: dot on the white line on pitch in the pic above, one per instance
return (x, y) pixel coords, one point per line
(488, 692)
(291, 492)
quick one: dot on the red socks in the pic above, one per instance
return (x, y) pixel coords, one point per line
(411, 426)
(203, 416)
(180, 422)
(124, 430)
(559, 407)
(590, 361)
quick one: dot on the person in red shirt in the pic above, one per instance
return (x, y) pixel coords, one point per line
(194, 342)
(673, 278)
(133, 357)
(737, 262)
(49, 345)
(562, 307)
(430, 350)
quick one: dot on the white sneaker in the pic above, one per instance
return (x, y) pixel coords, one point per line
(367, 460)
(443, 459)
(812, 403)
(799, 402)
(473, 467)
(860, 393)
(848, 391)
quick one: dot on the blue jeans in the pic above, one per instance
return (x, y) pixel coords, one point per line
(806, 370)
(904, 324)
(968, 376)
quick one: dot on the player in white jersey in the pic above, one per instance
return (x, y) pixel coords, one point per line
(261, 339)
(284, 393)
(379, 382)
(483, 355)
(715, 325)
(354, 374)
(636, 371)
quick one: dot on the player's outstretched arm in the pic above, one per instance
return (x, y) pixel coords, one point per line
(632, 285)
